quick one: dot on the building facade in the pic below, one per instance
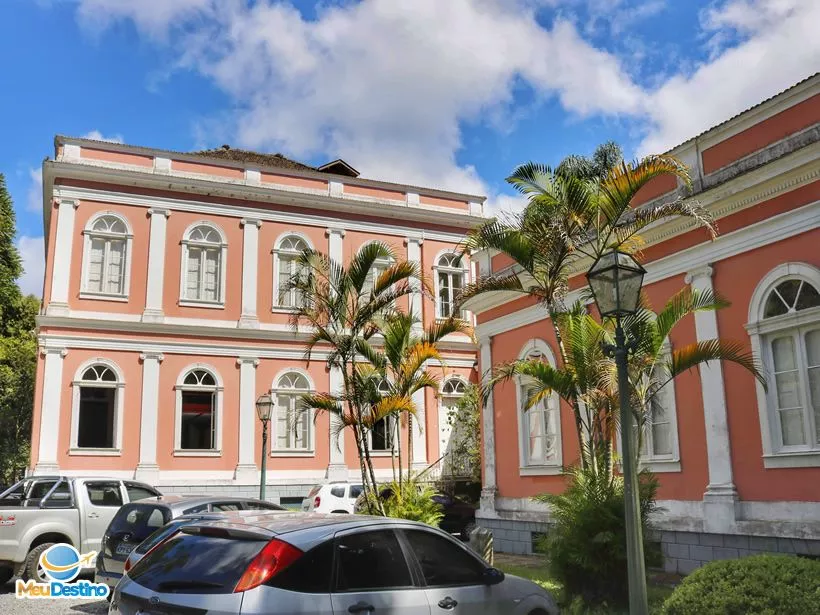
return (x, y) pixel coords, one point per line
(738, 464)
(165, 314)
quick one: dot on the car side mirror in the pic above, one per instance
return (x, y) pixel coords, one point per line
(492, 576)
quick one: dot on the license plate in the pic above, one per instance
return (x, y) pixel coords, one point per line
(123, 549)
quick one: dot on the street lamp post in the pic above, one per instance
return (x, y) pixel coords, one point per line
(616, 279)
(264, 405)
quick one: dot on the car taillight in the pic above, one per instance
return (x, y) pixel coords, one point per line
(272, 559)
(317, 501)
(127, 566)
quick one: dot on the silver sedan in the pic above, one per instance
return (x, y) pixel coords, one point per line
(313, 563)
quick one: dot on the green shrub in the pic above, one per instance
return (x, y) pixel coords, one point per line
(586, 546)
(414, 501)
(757, 585)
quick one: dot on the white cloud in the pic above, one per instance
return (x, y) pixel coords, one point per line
(779, 46)
(34, 196)
(96, 135)
(32, 252)
(151, 16)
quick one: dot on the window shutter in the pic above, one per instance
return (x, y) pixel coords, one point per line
(94, 281)
(211, 281)
(116, 261)
(282, 407)
(284, 279)
(192, 274)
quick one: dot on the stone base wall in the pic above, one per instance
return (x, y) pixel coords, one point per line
(273, 493)
(683, 552)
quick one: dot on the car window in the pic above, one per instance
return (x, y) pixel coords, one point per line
(314, 491)
(225, 506)
(104, 493)
(139, 520)
(41, 488)
(370, 561)
(443, 562)
(187, 563)
(138, 492)
(310, 574)
(195, 509)
(159, 534)
(253, 505)
(355, 491)
(338, 492)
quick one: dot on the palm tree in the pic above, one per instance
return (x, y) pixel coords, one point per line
(574, 213)
(341, 308)
(588, 377)
(401, 357)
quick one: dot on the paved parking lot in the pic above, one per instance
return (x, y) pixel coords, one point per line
(10, 605)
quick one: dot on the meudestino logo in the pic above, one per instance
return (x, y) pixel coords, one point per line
(61, 563)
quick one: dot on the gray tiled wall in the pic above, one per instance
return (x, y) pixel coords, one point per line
(273, 493)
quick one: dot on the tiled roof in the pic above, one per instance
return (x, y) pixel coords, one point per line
(256, 158)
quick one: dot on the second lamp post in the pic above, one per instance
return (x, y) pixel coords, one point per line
(264, 406)
(616, 279)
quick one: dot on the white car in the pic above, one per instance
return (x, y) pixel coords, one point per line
(332, 498)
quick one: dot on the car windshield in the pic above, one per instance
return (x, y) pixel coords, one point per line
(157, 535)
(138, 520)
(188, 563)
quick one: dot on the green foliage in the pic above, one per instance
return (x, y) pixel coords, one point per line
(411, 499)
(757, 585)
(586, 546)
(465, 421)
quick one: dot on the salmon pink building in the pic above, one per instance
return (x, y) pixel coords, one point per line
(165, 313)
(739, 464)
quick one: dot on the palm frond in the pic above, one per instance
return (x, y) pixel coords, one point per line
(683, 359)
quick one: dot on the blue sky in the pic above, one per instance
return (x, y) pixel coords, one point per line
(448, 93)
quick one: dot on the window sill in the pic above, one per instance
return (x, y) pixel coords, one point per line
(540, 471)
(278, 309)
(211, 305)
(191, 453)
(286, 453)
(660, 465)
(796, 459)
(95, 452)
(104, 297)
(382, 454)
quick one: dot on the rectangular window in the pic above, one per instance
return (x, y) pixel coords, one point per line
(96, 420)
(541, 430)
(198, 429)
(96, 258)
(812, 342)
(292, 425)
(382, 434)
(202, 280)
(787, 391)
(104, 493)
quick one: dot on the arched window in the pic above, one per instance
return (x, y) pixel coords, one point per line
(540, 425)
(106, 254)
(199, 412)
(203, 260)
(450, 436)
(96, 423)
(285, 268)
(382, 434)
(292, 427)
(785, 330)
(451, 276)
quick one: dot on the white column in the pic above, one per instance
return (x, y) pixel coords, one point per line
(335, 237)
(147, 469)
(50, 410)
(63, 244)
(419, 427)
(720, 497)
(246, 469)
(156, 265)
(489, 489)
(250, 266)
(414, 256)
(337, 468)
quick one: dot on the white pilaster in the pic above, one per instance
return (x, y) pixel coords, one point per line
(156, 265)
(50, 410)
(720, 497)
(335, 188)
(250, 262)
(489, 489)
(63, 244)
(419, 437)
(335, 237)
(337, 468)
(414, 256)
(147, 469)
(246, 469)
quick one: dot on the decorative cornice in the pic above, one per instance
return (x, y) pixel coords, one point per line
(247, 361)
(152, 356)
(60, 201)
(705, 271)
(334, 230)
(159, 211)
(61, 351)
(250, 221)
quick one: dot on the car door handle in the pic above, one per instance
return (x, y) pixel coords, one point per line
(93, 515)
(447, 603)
(361, 607)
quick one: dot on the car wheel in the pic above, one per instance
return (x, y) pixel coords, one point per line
(5, 575)
(33, 569)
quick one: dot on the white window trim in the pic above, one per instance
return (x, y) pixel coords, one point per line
(223, 266)
(758, 329)
(88, 235)
(525, 468)
(443, 411)
(393, 451)
(178, 389)
(119, 403)
(671, 462)
(464, 270)
(275, 390)
(277, 250)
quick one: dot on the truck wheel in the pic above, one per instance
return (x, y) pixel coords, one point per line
(33, 569)
(5, 574)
